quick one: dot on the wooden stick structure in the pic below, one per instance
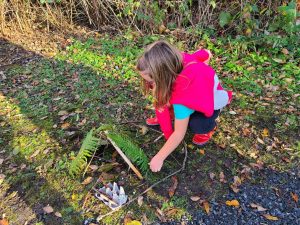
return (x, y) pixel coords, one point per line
(135, 170)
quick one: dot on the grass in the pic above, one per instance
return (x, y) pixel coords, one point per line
(48, 106)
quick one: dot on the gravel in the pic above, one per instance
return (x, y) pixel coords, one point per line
(272, 192)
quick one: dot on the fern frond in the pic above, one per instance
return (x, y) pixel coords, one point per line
(132, 151)
(89, 145)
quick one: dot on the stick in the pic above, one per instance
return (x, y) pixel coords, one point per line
(149, 188)
(135, 170)
(105, 197)
(86, 168)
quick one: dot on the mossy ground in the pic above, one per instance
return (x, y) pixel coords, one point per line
(48, 105)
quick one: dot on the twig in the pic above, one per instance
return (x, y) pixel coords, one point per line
(149, 188)
(158, 138)
(86, 168)
(135, 170)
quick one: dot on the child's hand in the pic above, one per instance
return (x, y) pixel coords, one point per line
(156, 163)
(210, 55)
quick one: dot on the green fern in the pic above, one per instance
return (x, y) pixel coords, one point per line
(89, 145)
(132, 151)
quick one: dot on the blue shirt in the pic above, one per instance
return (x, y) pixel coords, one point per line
(181, 111)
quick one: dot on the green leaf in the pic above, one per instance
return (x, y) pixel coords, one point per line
(224, 18)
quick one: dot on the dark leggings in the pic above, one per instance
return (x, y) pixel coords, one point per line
(200, 124)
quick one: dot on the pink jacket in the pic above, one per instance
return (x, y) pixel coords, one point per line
(196, 87)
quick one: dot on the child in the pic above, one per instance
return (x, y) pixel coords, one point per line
(184, 84)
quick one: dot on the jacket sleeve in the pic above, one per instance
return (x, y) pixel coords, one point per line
(165, 121)
(201, 55)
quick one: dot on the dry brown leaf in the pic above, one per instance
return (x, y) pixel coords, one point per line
(270, 217)
(206, 207)
(140, 200)
(212, 175)
(87, 181)
(93, 167)
(106, 177)
(234, 188)
(259, 165)
(62, 113)
(48, 209)
(260, 141)
(202, 152)
(160, 215)
(285, 51)
(258, 207)
(295, 197)
(4, 221)
(195, 198)
(237, 181)
(246, 131)
(58, 214)
(233, 203)
(173, 188)
(65, 126)
(172, 212)
(222, 177)
(144, 130)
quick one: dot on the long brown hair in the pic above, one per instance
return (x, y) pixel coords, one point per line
(162, 62)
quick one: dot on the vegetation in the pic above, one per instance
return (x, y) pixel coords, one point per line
(50, 107)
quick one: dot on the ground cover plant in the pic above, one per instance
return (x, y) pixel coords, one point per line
(49, 105)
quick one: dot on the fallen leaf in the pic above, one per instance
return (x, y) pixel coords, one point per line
(195, 198)
(234, 188)
(285, 51)
(202, 152)
(237, 181)
(295, 197)
(206, 207)
(232, 112)
(172, 212)
(106, 177)
(160, 215)
(1, 161)
(93, 167)
(140, 200)
(251, 68)
(278, 60)
(260, 141)
(259, 165)
(246, 131)
(233, 203)
(258, 207)
(222, 177)
(65, 126)
(62, 113)
(58, 214)
(134, 222)
(4, 222)
(212, 175)
(87, 181)
(144, 130)
(270, 217)
(46, 81)
(173, 188)
(48, 209)
(35, 153)
(265, 132)
(191, 146)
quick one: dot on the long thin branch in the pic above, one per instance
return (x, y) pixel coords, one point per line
(149, 188)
